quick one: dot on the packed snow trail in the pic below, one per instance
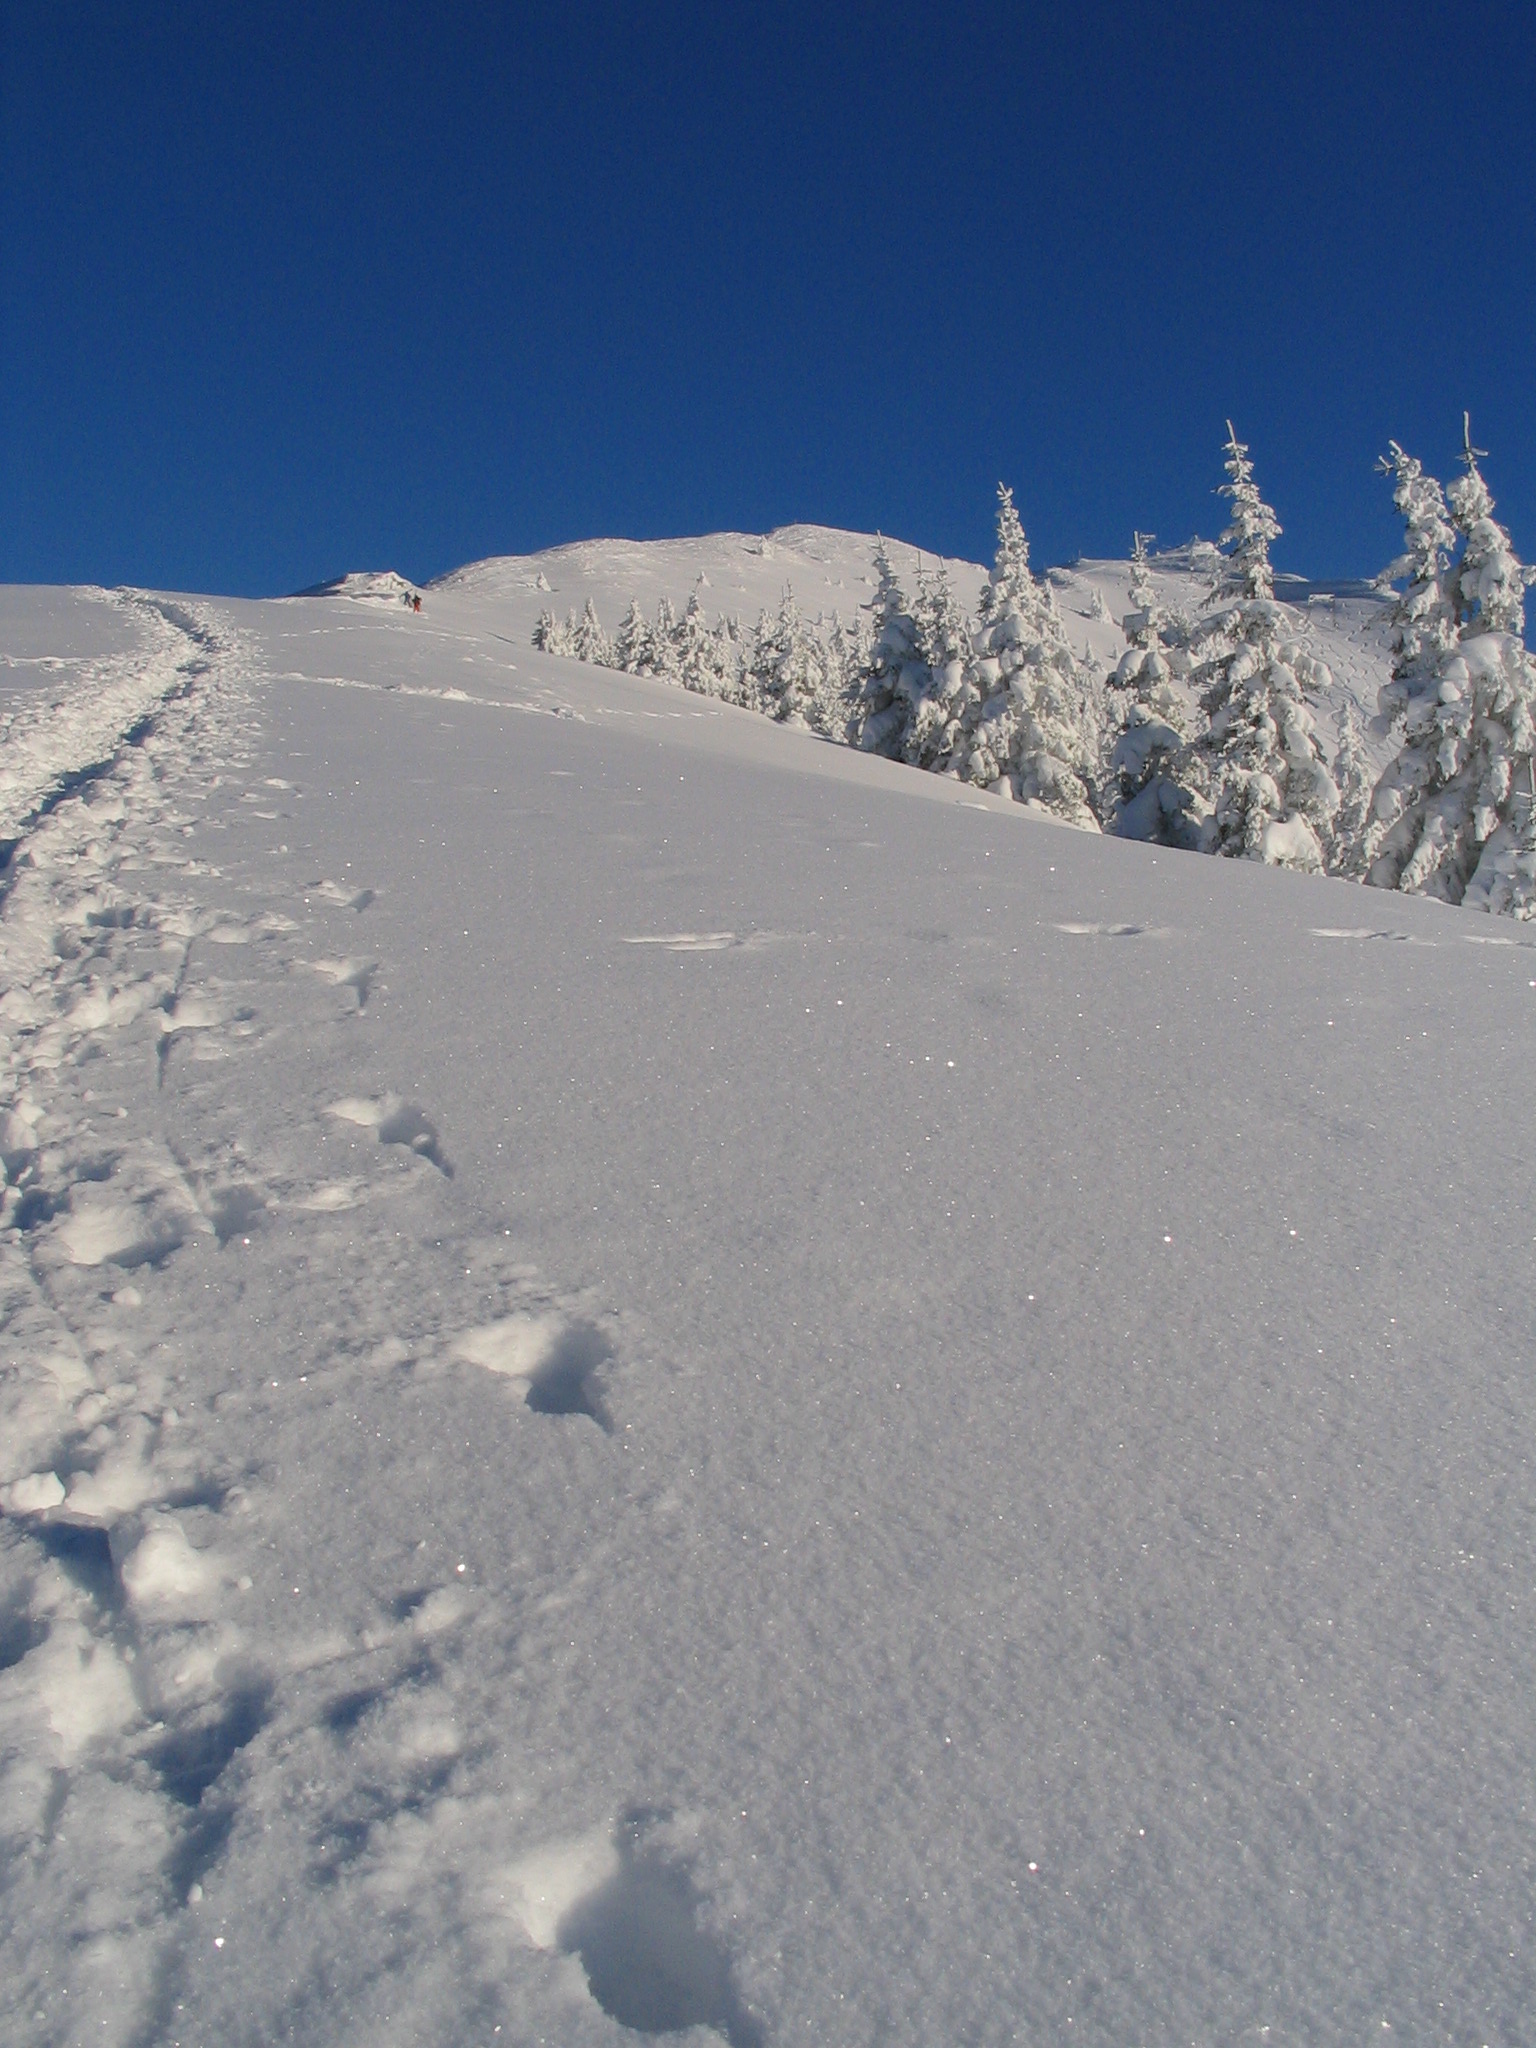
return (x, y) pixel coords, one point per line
(52, 739)
(659, 1378)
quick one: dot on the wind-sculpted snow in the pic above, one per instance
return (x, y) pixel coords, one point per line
(663, 1380)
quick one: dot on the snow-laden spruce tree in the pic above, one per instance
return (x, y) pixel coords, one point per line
(1491, 583)
(947, 665)
(757, 656)
(1149, 726)
(732, 657)
(1030, 723)
(789, 666)
(698, 651)
(1272, 797)
(588, 640)
(1143, 624)
(1004, 626)
(632, 643)
(1061, 730)
(895, 675)
(847, 657)
(1344, 847)
(1452, 816)
(1422, 635)
(550, 636)
(664, 641)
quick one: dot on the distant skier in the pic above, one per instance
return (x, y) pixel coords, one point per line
(416, 602)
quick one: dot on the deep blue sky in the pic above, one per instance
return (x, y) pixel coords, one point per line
(290, 290)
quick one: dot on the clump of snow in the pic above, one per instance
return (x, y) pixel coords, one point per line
(518, 1345)
(33, 1495)
(165, 1575)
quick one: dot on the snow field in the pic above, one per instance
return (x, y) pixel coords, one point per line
(813, 1410)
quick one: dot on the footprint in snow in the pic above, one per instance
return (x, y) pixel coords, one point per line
(235, 1210)
(343, 894)
(202, 1023)
(104, 1233)
(354, 973)
(557, 1362)
(108, 1578)
(624, 1905)
(396, 1123)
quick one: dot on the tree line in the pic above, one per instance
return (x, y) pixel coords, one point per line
(1203, 736)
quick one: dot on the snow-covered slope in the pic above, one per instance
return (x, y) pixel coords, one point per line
(662, 1378)
(367, 586)
(831, 573)
(828, 570)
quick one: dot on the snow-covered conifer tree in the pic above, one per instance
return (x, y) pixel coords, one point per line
(1143, 795)
(632, 645)
(759, 661)
(894, 674)
(789, 668)
(947, 662)
(1143, 623)
(664, 641)
(847, 658)
(698, 654)
(1245, 573)
(1417, 826)
(730, 660)
(550, 636)
(1343, 848)
(588, 640)
(1491, 583)
(1034, 727)
(1060, 741)
(1273, 798)
(1004, 627)
(1452, 815)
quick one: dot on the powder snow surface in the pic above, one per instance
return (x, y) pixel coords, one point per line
(660, 1379)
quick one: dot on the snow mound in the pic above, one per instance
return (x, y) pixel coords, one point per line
(366, 586)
